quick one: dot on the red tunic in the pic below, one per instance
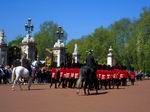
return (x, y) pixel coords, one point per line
(54, 71)
(98, 74)
(72, 72)
(115, 73)
(67, 74)
(121, 74)
(132, 75)
(109, 74)
(77, 71)
(126, 74)
(103, 74)
(62, 72)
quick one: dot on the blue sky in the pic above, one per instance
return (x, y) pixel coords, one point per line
(78, 17)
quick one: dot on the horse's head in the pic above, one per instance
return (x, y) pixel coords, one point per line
(36, 64)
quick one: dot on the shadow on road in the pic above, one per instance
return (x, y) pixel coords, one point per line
(92, 94)
(99, 93)
(34, 89)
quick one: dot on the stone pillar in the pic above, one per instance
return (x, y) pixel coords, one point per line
(28, 43)
(110, 57)
(75, 55)
(59, 52)
(58, 58)
(3, 49)
(28, 47)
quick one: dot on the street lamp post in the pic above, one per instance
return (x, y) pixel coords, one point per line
(28, 43)
(60, 33)
(59, 47)
(29, 27)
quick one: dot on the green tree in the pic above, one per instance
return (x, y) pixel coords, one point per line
(130, 40)
(16, 42)
(99, 41)
(143, 39)
(121, 32)
(46, 37)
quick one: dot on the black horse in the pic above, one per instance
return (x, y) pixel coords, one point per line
(88, 79)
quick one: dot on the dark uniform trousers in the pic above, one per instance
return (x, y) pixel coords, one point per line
(25, 63)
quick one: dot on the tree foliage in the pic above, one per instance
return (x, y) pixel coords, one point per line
(16, 42)
(46, 37)
(130, 40)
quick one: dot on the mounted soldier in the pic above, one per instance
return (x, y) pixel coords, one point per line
(26, 63)
(88, 75)
(90, 62)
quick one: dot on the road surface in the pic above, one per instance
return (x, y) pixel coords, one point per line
(43, 99)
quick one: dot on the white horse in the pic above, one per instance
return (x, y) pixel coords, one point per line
(21, 72)
(18, 73)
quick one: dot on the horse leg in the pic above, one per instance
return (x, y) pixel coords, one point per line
(20, 85)
(14, 83)
(79, 82)
(86, 86)
(89, 90)
(96, 84)
(89, 86)
(29, 83)
(20, 81)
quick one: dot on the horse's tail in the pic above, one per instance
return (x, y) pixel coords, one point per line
(79, 82)
(13, 75)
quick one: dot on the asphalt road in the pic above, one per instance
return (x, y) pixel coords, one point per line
(43, 99)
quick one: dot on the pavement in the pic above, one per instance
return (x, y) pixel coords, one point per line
(43, 99)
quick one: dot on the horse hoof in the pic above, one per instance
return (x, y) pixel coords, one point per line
(88, 93)
(77, 92)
